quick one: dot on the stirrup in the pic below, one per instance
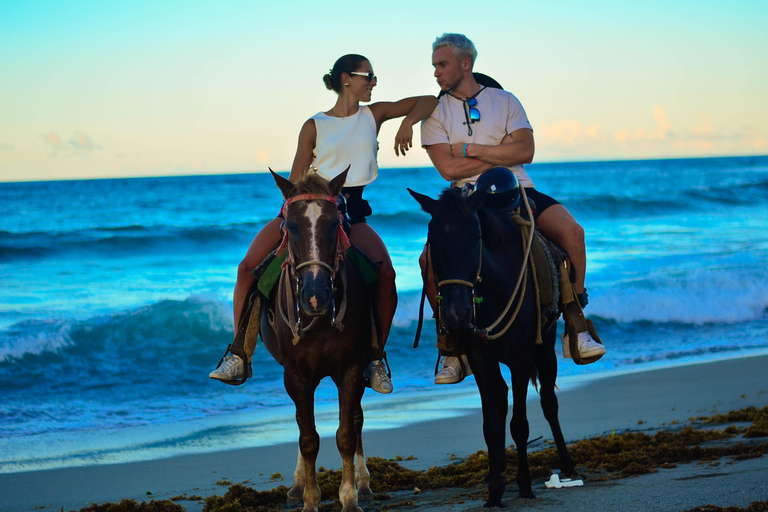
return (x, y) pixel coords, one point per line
(246, 365)
(573, 343)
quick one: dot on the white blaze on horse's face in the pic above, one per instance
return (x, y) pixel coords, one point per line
(313, 213)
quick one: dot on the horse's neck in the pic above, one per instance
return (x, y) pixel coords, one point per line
(501, 265)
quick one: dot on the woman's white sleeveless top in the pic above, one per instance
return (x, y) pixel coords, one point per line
(347, 141)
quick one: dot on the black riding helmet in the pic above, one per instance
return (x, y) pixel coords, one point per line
(504, 191)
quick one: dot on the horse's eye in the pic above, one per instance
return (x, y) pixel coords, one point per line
(291, 226)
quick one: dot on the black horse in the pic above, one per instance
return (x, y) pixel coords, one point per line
(487, 302)
(318, 326)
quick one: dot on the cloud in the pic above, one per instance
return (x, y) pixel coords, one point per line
(661, 121)
(78, 144)
(263, 157)
(569, 131)
(656, 136)
(663, 129)
(54, 141)
(702, 138)
(81, 141)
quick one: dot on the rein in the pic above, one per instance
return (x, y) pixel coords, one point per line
(291, 270)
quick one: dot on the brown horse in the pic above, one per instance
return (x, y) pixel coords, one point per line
(318, 326)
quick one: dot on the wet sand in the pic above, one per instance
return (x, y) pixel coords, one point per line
(644, 401)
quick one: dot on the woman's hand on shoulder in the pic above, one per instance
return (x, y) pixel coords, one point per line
(404, 138)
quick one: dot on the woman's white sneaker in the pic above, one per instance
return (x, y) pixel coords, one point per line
(376, 374)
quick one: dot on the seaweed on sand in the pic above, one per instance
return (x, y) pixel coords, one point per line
(599, 458)
(134, 506)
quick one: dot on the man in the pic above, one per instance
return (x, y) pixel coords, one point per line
(474, 129)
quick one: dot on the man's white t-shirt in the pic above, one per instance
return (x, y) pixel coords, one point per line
(501, 113)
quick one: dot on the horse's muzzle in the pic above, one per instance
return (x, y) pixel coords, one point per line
(456, 312)
(315, 294)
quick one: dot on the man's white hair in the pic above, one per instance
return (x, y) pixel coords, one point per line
(462, 46)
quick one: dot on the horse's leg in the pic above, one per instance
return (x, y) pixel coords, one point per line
(493, 395)
(546, 363)
(302, 392)
(362, 476)
(518, 426)
(296, 492)
(350, 394)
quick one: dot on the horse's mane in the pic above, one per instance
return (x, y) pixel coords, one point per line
(450, 201)
(498, 230)
(311, 183)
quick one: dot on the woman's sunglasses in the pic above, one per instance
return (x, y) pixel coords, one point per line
(369, 76)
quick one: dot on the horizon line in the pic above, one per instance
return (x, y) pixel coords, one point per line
(246, 172)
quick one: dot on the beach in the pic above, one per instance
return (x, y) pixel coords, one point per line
(644, 401)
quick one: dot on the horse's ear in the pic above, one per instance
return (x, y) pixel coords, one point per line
(475, 200)
(338, 182)
(285, 186)
(426, 202)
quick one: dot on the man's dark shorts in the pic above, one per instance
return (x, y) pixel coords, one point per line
(542, 201)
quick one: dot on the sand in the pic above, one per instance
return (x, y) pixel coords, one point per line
(644, 401)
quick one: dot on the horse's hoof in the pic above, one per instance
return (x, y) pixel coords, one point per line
(364, 492)
(295, 493)
(528, 495)
(573, 475)
(493, 504)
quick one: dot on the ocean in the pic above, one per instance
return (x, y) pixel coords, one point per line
(116, 300)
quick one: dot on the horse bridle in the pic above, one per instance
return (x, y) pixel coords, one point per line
(291, 269)
(484, 334)
(469, 284)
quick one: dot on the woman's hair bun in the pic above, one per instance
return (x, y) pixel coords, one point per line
(327, 81)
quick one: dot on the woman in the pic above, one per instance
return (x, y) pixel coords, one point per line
(329, 142)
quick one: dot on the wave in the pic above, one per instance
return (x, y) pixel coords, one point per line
(124, 240)
(634, 201)
(698, 298)
(702, 297)
(156, 329)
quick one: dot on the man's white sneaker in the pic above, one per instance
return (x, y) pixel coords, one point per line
(588, 348)
(451, 372)
(376, 374)
(232, 368)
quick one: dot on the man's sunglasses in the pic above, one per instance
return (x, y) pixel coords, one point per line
(369, 76)
(474, 114)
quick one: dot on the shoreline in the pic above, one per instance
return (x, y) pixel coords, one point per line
(642, 401)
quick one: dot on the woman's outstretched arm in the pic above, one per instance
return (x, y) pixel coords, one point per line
(414, 109)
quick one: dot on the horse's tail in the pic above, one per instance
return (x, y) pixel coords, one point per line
(535, 379)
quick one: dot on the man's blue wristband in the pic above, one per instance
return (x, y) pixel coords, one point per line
(465, 150)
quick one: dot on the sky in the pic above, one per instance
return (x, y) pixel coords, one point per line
(97, 89)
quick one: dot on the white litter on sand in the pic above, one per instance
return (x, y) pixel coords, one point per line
(557, 483)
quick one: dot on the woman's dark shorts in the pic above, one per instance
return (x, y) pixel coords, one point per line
(542, 201)
(357, 207)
